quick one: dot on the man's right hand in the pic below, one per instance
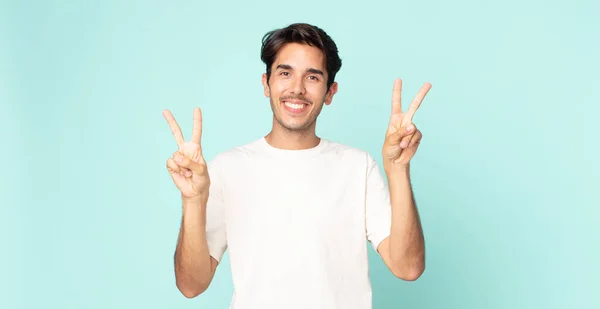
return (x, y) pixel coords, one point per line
(187, 166)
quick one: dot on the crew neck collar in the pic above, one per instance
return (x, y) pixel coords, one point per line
(297, 152)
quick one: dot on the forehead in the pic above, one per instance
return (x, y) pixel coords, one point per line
(300, 56)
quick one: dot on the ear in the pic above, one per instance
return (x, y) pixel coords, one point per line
(265, 83)
(332, 91)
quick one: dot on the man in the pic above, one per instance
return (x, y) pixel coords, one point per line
(293, 209)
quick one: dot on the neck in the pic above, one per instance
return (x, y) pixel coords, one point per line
(283, 138)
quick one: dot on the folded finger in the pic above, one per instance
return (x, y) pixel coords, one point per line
(183, 171)
(172, 167)
(416, 139)
(405, 141)
(188, 164)
(404, 134)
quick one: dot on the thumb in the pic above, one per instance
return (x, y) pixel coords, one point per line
(397, 136)
(195, 167)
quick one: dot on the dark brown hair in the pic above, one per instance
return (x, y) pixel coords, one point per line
(303, 33)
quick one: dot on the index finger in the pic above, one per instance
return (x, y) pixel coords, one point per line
(174, 127)
(414, 105)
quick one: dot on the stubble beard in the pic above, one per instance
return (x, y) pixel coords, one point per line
(296, 128)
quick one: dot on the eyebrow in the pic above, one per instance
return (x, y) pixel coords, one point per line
(289, 67)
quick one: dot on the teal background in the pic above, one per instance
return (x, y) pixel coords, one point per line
(506, 177)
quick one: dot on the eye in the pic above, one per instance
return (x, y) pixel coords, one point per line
(284, 73)
(312, 77)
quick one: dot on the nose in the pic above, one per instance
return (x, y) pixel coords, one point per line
(297, 85)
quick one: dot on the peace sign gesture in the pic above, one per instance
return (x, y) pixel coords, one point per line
(402, 137)
(187, 166)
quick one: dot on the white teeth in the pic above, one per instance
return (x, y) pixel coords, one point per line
(294, 106)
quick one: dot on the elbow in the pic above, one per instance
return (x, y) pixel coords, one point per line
(191, 291)
(410, 274)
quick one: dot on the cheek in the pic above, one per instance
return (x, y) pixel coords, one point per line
(275, 93)
(276, 88)
(316, 91)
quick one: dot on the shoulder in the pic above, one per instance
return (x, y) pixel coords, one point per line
(351, 154)
(234, 154)
(344, 150)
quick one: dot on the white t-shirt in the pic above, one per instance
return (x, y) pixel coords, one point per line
(296, 224)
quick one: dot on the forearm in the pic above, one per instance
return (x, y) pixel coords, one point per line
(407, 249)
(193, 269)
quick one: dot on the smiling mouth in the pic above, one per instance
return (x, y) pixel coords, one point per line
(295, 106)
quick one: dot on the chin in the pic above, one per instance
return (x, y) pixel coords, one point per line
(293, 124)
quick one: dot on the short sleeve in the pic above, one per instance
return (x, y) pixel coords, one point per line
(377, 208)
(216, 236)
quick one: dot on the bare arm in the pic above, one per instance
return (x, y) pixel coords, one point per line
(404, 250)
(194, 267)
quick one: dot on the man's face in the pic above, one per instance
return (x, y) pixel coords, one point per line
(297, 87)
